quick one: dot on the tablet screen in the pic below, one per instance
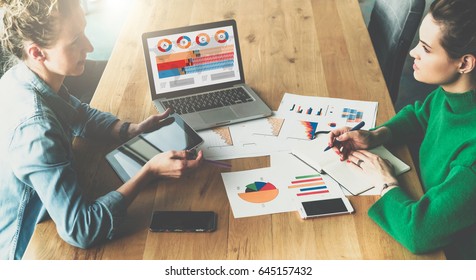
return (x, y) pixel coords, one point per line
(172, 134)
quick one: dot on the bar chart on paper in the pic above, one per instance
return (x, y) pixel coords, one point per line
(328, 112)
(298, 130)
(308, 185)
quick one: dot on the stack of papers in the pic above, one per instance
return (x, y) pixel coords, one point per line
(283, 187)
(296, 121)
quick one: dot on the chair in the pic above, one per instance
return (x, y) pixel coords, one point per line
(392, 26)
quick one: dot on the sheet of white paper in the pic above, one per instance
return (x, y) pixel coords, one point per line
(304, 182)
(276, 189)
(297, 119)
(256, 192)
(247, 139)
(328, 112)
(352, 179)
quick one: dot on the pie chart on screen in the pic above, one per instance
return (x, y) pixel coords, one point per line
(259, 192)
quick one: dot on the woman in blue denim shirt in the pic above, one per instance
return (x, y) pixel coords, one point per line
(39, 120)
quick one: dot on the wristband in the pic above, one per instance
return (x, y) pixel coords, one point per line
(123, 135)
(386, 186)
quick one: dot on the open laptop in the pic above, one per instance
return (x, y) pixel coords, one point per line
(197, 71)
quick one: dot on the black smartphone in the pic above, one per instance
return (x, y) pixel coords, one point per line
(183, 221)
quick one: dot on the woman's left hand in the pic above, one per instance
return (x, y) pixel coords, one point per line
(148, 125)
(379, 170)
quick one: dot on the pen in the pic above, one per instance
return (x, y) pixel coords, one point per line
(357, 127)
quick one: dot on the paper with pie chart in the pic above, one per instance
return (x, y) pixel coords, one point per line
(257, 192)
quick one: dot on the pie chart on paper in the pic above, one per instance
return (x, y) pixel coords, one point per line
(259, 192)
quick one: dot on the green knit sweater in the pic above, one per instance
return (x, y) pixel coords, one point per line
(445, 216)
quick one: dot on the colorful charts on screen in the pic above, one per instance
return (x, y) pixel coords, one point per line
(184, 42)
(221, 36)
(259, 192)
(202, 39)
(164, 45)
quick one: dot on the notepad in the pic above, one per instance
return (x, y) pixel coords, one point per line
(354, 181)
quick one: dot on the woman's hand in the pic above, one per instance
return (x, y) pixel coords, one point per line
(380, 171)
(346, 141)
(148, 125)
(174, 164)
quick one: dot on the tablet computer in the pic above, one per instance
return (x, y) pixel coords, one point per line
(173, 133)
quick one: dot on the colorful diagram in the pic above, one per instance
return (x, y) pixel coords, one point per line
(202, 39)
(298, 130)
(184, 42)
(309, 110)
(310, 129)
(196, 61)
(352, 115)
(164, 45)
(225, 135)
(276, 125)
(221, 36)
(259, 192)
(311, 184)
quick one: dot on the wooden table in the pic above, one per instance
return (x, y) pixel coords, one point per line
(316, 48)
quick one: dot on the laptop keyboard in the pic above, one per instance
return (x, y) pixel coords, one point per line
(209, 100)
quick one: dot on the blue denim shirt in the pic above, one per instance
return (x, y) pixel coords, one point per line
(37, 168)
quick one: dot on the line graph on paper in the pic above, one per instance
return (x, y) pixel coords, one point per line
(217, 137)
(269, 127)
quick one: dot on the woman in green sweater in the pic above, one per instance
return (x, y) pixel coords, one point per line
(445, 216)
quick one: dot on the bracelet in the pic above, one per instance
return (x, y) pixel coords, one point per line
(386, 186)
(123, 135)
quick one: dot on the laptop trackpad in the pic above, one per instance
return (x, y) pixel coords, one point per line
(218, 116)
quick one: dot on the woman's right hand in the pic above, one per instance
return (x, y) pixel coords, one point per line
(174, 164)
(346, 141)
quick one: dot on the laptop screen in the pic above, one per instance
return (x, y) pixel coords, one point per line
(193, 59)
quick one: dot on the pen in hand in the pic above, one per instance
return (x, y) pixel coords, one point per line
(357, 127)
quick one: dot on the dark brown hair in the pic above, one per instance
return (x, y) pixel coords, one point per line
(457, 19)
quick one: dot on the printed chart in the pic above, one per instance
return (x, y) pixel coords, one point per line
(298, 130)
(352, 115)
(328, 112)
(272, 127)
(252, 138)
(256, 192)
(259, 192)
(308, 185)
(217, 138)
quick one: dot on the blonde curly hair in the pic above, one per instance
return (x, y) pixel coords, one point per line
(32, 21)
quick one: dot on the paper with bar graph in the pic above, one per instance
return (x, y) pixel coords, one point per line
(296, 121)
(304, 183)
(328, 112)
